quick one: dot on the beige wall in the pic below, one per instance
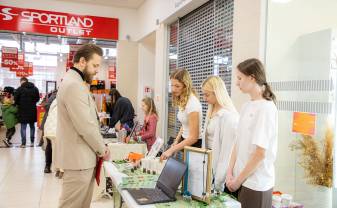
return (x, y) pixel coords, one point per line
(146, 68)
(127, 70)
(248, 38)
(161, 79)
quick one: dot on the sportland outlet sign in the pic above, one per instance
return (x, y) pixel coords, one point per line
(57, 23)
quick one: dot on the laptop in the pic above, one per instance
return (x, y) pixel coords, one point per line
(166, 186)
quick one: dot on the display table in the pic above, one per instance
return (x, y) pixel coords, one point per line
(117, 177)
(120, 151)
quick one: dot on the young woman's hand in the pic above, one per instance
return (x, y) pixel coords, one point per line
(168, 153)
(233, 185)
(229, 176)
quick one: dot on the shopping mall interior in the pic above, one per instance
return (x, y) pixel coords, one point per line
(143, 43)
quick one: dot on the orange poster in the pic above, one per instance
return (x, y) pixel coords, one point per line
(304, 123)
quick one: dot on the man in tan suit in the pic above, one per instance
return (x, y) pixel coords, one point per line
(80, 141)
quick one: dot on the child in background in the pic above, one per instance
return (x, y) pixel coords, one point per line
(9, 112)
(148, 132)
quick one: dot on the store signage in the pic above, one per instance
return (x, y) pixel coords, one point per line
(26, 70)
(112, 73)
(30, 68)
(9, 57)
(20, 62)
(57, 23)
(304, 123)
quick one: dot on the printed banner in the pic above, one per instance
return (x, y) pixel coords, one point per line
(57, 23)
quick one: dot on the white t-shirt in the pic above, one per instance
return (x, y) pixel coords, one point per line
(193, 105)
(257, 127)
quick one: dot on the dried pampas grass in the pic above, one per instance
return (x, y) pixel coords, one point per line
(316, 158)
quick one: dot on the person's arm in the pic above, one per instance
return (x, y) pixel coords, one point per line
(193, 124)
(116, 115)
(229, 175)
(37, 95)
(17, 96)
(249, 169)
(78, 109)
(151, 131)
(178, 138)
(13, 109)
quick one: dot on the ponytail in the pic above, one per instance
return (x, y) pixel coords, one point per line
(268, 93)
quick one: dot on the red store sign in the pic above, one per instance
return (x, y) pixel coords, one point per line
(9, 57)
(57, 23)
(26, 70)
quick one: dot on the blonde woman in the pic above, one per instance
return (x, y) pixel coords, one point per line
(190, 112)
(219, 128)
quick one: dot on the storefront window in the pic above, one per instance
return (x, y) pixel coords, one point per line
(301, 66)
(49, 57)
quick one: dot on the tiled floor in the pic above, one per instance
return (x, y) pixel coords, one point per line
(23, 183)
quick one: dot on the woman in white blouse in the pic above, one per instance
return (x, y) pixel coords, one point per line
(251, 169)
(189, 114)
(219, 128)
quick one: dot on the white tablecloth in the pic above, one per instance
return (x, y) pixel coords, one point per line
(120, 151)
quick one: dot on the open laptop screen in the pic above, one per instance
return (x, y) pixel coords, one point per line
(171, 176)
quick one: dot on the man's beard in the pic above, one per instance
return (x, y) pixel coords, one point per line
(87, 77)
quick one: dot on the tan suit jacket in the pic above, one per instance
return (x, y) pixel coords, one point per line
(79, 139)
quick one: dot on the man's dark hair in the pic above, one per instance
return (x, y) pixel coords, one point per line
(23, 79)
(87, 51)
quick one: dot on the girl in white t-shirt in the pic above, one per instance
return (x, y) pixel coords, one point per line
(251, 169)
(189, 115)
(219, 128)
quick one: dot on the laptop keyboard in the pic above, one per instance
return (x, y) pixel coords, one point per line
(156, 195)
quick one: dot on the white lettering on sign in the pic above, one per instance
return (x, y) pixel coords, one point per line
(56, 20)
(10, 62)
(72, 31)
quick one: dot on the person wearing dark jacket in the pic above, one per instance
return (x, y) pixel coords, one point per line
(26, 97)
(121, 110)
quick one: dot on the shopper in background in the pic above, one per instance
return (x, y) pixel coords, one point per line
(148, 132)
(121, 110)
(190, 112)
(252, 161)
(219, 128)
(9, 112)
(48, 151)
(79, 129)
(26, 97)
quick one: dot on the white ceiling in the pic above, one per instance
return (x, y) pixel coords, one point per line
(131, 4)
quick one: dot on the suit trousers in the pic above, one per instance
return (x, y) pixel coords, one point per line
(77, 188)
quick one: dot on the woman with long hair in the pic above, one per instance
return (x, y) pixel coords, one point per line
(219, 127)
(190, 112)
(148, 132)
(251, 169)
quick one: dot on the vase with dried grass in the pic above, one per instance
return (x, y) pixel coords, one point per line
(316, 158)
